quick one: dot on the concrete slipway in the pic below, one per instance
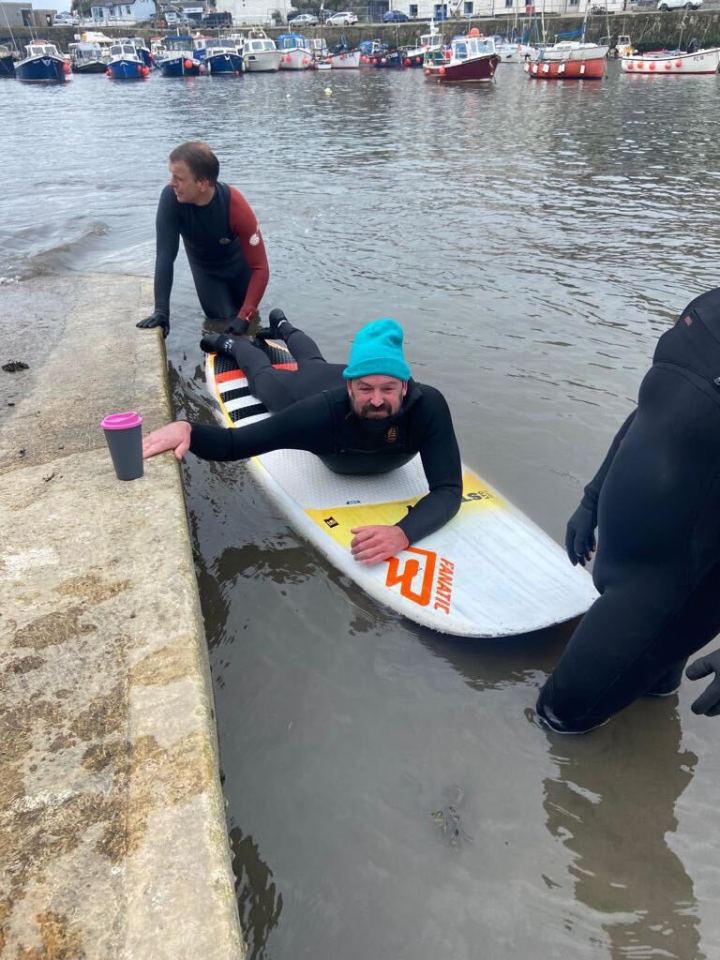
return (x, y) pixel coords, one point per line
(113, 841)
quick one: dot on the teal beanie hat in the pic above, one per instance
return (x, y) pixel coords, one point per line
(378, 349)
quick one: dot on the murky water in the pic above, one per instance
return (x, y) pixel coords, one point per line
(534, 239)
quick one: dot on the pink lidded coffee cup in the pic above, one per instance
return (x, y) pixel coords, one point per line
(123, 432)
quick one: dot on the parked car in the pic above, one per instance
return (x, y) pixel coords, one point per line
(223, 19)
(395, 16)
(679, 4)
(65, 18)
(304, 20)
(344, 19)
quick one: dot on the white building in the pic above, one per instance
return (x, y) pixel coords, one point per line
(129, 12)
(425, 9)
(260, 12)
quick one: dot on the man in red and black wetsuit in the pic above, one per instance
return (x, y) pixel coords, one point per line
(222, 240)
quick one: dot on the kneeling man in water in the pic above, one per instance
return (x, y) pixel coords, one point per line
(368, 418)
(656, 504)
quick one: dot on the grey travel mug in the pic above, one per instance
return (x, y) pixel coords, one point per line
(123, 432)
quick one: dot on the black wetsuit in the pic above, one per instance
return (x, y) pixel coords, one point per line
(324, 424)
(224, 249)
(658, 512)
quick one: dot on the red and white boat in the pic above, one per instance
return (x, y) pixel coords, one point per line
(473, 59)
(672, 63)
(347, 60)
(568, 60)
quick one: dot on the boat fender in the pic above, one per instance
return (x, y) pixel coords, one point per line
(188, 64)
(441, 71)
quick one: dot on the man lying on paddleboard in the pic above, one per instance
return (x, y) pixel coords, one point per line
(367, 418)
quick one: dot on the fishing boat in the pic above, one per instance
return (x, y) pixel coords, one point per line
(260, 55)
(7, 62)
(473, 59)
(179, 58)
(427, 43)
(42, 63)
(295, 53)
(88, 57)
(568, 60)
(672, 63)
(125, 63)
(222, 58)
(345, 60)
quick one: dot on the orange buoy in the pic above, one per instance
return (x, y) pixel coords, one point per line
(653, 66)
(629, 66)
(188, 64)
(678, 63)
(441, 71)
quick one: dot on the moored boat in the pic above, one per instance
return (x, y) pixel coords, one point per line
(568, 60)
(222, 58)
(426, 44)
(179, 59)
(260, 55)
(126, 63)
(473, 59)
(42, 63)
(295, 53)
(88, 57)
(672, 63)
(345, 60)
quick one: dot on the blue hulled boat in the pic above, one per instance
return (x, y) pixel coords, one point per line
(42, 63)
(179, 59)
(222, 57)
(126, 63)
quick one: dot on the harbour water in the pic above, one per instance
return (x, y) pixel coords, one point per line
(534, 239)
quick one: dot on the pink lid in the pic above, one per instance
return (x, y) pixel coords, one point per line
(121, 421)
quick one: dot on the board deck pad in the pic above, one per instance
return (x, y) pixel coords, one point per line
(489, 572)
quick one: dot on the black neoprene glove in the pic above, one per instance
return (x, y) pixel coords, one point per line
(156, 320)
(708, 703)
(580, 535)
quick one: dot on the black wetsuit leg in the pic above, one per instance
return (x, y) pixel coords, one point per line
(657, 562)
(277, 389)
(221, 289)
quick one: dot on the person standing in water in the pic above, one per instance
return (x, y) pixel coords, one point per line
(655, 502)
(222, 240)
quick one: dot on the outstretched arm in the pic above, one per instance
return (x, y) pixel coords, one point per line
(303, 426)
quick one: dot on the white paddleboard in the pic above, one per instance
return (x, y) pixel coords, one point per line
(489, 572)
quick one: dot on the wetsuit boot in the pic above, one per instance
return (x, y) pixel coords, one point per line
(218, 343)
(280, 327)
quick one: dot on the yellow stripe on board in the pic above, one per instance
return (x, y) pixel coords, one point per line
(339, 521)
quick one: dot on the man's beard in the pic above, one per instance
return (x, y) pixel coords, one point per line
(371, 412)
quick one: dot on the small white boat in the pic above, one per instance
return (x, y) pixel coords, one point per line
(295, 52)
(260, 55)
(672, 63)
(347, 60)
(427, 43)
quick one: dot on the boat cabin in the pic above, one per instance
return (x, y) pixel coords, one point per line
(258, 46)
(41, 49)
(467, 48)
(124, 51)
(292, 41)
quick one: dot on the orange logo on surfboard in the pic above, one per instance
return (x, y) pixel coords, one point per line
(418, 581)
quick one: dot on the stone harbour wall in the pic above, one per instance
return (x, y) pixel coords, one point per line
(113, 840)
